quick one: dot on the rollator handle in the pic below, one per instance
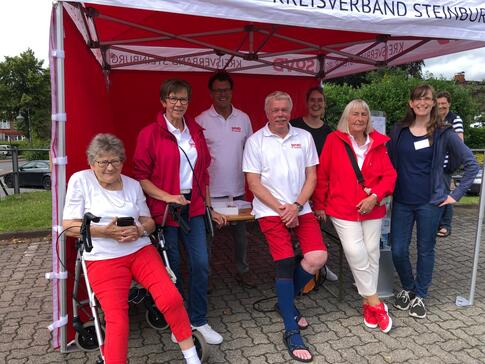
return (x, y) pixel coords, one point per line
(86, 230)
(175, 210)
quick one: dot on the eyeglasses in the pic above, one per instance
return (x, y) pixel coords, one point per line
(173, 100)
(116, 163)
(221, 90)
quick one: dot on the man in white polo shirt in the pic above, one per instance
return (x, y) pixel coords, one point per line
(226, 132)
(280, 165)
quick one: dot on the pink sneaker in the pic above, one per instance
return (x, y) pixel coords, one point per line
(370, 319)
(384, 321)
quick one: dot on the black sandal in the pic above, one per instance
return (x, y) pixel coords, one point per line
(443, 232)
(292, 347)
(297, 317)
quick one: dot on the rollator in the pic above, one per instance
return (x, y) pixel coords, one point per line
(90, 333)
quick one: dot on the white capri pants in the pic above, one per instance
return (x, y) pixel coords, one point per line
(360, 241)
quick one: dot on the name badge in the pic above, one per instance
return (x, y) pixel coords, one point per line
(421, 144)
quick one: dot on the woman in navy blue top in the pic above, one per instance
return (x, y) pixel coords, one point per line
(417, 149)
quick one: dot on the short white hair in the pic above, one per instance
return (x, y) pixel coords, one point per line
(276, 95)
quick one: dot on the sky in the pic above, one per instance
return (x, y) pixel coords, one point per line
(20, 29)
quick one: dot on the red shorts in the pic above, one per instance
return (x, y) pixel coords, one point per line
(279, 238)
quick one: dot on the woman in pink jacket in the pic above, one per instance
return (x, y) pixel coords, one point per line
(353, 205)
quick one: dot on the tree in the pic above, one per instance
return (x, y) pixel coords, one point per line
(25, 89)
(413, 69)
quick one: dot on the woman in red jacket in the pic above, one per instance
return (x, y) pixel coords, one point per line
(354, 207)
(170, 161)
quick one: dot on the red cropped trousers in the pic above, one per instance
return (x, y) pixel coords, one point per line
(111, 279)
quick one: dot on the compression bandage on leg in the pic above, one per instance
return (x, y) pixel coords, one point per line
(300, 278)
(284, 290)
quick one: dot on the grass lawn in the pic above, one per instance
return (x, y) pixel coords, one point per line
(27, 211)
(469, 200)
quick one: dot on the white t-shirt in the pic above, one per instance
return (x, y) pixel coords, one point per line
(281, 162)
(225, 139)
(85, 194)
(184, 141)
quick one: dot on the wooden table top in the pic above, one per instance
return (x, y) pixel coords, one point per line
(244, 215)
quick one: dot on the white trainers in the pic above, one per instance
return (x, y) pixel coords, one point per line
(210, 335)
(330, 276)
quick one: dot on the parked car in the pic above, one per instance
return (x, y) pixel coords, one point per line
(31, 174)
(476, 185)
(4, 151)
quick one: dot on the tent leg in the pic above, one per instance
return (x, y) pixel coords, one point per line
(61, 167)
(462, 301)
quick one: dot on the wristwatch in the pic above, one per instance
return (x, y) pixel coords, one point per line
(299, 206)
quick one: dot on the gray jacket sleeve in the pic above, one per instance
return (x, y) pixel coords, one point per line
(460, 150)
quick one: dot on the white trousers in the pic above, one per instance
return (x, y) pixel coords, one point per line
(360, 241)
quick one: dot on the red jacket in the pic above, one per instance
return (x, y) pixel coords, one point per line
(338, 190)
(157, 158)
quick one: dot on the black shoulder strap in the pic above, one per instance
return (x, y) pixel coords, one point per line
(355, 166)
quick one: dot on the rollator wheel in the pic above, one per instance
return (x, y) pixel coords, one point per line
(88, 341)
(201, 346)
(155, 319)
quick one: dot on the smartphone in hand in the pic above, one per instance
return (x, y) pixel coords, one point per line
(125, 221)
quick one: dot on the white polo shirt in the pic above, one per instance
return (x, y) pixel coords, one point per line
(184, 141)
(281, 162)
(225, 139)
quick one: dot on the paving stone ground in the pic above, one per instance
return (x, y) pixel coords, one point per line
(449, 334)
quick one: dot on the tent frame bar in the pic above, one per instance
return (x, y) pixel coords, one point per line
(61, 168)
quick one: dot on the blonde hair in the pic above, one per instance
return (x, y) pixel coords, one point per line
(343, 124)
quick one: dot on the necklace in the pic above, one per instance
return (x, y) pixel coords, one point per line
(113, 199)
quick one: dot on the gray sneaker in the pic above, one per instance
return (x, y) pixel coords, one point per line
(417, 308)
(403, 300)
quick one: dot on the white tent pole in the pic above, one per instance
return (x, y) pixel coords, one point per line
(61, 167)
(462, 301)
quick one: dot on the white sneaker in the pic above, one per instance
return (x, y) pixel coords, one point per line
(331, 276)
(210, 335)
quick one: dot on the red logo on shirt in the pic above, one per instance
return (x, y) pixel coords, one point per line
(297, 146)
(236, 129)
(192, 143)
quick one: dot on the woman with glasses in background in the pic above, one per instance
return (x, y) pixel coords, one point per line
(171, 161)
(121, 253)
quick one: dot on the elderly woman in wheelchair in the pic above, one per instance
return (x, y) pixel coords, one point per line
(121, 249)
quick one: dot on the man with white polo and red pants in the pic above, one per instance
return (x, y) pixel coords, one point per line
(226, 131)
(280, 165)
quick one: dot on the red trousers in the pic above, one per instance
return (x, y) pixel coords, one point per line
(111, 280)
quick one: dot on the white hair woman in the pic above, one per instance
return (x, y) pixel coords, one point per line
(353, 206)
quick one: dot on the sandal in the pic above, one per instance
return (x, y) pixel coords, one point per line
(443, 232)
(298, 317)
(292, 347)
